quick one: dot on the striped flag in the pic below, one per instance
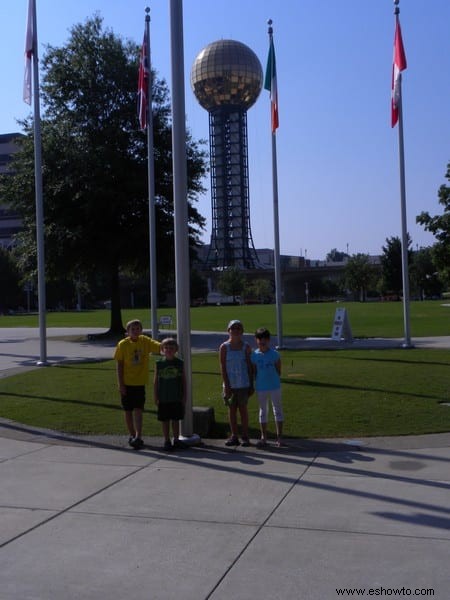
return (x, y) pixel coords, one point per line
(29, 48)
(398, 65)
(270, 84)
(143, 86)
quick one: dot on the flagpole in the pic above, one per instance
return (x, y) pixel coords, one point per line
(39, 196)
(277, 264)
(404, 229)
(181, 209)
(151, 187)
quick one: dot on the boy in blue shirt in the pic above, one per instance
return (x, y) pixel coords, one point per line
(267, 371)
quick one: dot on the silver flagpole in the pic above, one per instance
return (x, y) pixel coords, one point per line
(151, 188)
(39, 200)
(405, 270)
(278, 295)
(405, 273)
(276, 226)
(181, 207)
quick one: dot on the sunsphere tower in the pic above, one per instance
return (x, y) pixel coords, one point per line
(227, 78)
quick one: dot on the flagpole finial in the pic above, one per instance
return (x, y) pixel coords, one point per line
(270, 29)
(147, 16)
(397, 9)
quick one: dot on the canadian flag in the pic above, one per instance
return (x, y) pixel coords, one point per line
(144, 75)
(29, 48)
(398, 65)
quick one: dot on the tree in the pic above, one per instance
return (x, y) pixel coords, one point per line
(198, 287)
(10, 278)
(439, 226)
(95, 166)
(231, 282)
(424, 278)
(261, 290)
(358, 275)
(335, 256)
(391, 262)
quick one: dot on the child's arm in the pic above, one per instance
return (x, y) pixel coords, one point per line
(223, 370)
(248, 352)
(120, 380)
(183, 398)
(155, 387)
(154, 347)
(278, 366)
(254, 370)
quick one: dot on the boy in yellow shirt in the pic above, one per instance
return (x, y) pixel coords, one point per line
(131, 355)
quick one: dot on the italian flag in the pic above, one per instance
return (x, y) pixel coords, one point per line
(270, 84)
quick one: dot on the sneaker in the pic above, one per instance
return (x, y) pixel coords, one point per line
(280, 444)
(130, 440)
(179, 444)
(245, 442)
(167, 445)
(261, 443)
(232, 441)
(136, 443)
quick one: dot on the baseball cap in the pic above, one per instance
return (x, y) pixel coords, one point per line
(234, 322)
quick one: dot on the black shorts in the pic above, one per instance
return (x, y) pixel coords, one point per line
(171, 411)
(134, 397)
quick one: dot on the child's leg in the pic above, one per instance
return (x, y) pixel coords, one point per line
(263, 428)
(166, 430)
(243, 411)
(263, 402)
(232, 415)
(176, 429)
(279, 427)
(277, 412)
(138, 419)
(130, 422)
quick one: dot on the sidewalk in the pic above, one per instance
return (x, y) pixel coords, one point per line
(84, 518)
(88, 520)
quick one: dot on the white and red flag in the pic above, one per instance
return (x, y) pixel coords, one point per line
(29, 49)
(144, 74)
(398, 65)
(270, 84)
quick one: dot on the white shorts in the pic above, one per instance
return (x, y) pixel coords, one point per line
(263, 399)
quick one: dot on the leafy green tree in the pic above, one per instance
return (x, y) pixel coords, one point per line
(231, 282)
(95, 166)
(261, 290)
(391, 262)
(439, 226)
(424, 277)
(198, 287)
(335, 255)
(359, 275)
(9, 276)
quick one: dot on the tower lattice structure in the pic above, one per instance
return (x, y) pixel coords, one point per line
(227, 78)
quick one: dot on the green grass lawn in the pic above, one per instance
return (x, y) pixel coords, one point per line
(337, 393)
(367, 319)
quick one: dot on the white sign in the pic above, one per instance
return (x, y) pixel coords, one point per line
(165, 320)
(341, 326)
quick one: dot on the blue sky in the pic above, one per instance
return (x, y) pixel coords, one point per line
(337, 154)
